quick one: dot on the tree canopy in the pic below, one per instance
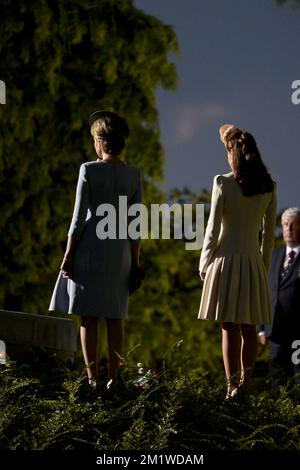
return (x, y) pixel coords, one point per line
(61, 61)
(293, 3)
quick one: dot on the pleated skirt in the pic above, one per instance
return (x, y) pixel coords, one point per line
(236, 290)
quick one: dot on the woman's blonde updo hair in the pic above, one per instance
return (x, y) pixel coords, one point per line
(112, 130)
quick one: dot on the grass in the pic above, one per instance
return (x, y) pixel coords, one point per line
(46, 406)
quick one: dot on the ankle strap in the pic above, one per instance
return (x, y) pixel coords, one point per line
(89, 365)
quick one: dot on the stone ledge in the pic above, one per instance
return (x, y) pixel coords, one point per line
(53, 333)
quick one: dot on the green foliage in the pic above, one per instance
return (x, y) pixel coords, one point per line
(181, 412)
(75, 57)
(61, 61)
(291, 3)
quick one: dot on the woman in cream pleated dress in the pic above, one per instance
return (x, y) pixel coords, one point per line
(233, 265)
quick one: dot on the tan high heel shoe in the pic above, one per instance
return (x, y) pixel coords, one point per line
(231, 394)
(93, 383)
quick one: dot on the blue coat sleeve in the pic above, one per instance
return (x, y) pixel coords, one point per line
(136, 199)
(81, 204)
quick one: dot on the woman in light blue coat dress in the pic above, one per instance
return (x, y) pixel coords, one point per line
(94, 276)
(233, 263)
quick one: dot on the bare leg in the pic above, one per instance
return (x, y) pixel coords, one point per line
(89, 343)
(249, 351)
(115, 339)
(231, 346)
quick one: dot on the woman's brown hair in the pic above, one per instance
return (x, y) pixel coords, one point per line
(248, 168)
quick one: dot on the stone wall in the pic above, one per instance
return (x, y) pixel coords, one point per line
(27, 330)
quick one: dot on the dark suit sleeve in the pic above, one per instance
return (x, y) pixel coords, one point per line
(81, 205)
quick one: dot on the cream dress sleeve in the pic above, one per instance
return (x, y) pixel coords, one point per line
(268, 235)
(214, 224)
